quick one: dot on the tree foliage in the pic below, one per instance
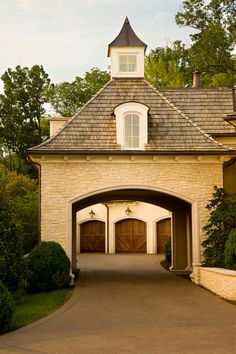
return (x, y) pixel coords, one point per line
(19, 207)
(67, 97)
(167, 66)
(221, 222)
(213, 39)
(21, 108)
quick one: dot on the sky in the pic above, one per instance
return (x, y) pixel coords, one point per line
(69, 37)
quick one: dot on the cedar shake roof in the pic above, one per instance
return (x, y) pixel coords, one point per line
(127, 38)
(208, 108)
(170, 129)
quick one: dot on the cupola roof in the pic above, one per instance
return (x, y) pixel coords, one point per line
(126, 38)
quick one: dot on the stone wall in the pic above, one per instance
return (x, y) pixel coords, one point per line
(220, 281)
(63, 179)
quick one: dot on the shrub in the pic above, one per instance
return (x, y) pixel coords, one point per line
(230, 251)
(168, 250)
(12, 267)
(49, 267)
(7, 306)
(222, 220)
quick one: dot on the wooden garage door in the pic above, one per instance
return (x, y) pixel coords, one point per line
(131, 236)
(163, 234)
(92, 236)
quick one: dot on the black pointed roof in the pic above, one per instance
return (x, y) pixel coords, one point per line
(127, 38)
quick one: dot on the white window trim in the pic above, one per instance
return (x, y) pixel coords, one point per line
(134, 108)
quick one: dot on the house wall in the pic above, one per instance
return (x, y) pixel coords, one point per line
(230, 177)
(146, 212)
(66, 178)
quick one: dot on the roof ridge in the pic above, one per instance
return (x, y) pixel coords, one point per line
(50, 139)
(201, 131)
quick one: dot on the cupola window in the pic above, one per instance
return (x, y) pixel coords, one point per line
(127, 63)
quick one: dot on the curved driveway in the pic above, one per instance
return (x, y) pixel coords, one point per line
(129, 304)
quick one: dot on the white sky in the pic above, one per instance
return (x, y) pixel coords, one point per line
(69, 37)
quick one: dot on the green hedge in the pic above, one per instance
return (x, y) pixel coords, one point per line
(49, 267)
(230, 251)
(7, 306)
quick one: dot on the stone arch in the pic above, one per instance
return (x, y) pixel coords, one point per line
(186, 244)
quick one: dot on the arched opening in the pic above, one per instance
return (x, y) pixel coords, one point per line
(131, 236)
(185, 240)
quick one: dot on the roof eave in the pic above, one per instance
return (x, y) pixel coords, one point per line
(129, 152)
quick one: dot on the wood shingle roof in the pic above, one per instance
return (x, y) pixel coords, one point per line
(177, 120)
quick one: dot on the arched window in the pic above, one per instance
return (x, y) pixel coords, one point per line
(131, 125)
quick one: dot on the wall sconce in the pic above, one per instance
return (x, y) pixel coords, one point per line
(128, 211)
(91, 213)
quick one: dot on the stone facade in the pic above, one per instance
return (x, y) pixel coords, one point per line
(65, 180)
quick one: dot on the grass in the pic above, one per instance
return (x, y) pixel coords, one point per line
(32, 307)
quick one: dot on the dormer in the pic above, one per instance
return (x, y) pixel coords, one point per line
(127, 54)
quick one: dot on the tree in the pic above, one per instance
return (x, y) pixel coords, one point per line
(21, 108)
(222, 220)
(67, 97)
(19, 207)
(166, 67)
(214, 39)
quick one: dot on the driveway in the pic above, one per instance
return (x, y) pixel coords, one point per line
(129, 304)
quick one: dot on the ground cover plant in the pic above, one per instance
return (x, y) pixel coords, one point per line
(32, 307)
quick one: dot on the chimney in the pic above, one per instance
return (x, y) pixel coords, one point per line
(56, 123)
(234, 98)
(196, 79)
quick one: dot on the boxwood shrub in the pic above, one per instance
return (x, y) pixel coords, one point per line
(7, 306)
(49, 267)
(230, 251)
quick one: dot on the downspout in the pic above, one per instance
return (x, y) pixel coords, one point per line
(108, 220)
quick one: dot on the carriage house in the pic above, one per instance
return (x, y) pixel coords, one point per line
(136, 165)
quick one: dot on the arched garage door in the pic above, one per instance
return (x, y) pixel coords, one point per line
(92, 236)
(163, 234)
(131, 236)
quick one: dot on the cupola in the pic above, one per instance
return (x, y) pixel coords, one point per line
(127, 54)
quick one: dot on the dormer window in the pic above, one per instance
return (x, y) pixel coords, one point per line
(127, 63)
(131, 125)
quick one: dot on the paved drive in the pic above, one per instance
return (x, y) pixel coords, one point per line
(129, 304)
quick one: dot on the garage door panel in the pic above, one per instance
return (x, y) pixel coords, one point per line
(139, 243)
(92, 236)
(99, 243)
(131, 236)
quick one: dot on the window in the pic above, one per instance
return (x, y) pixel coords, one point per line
(131, 125)
(127, 63)
(131, 136)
